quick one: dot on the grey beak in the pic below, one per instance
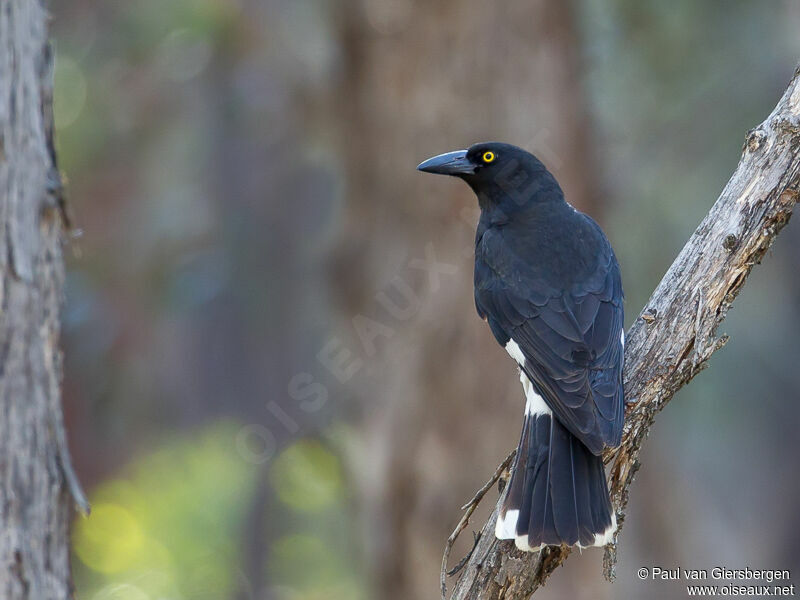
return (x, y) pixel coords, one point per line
(450, 163)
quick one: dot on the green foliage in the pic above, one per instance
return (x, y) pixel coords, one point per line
(307, 477)
(312, 558)
(169, 527)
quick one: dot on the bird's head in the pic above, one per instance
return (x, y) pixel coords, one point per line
(498, 173)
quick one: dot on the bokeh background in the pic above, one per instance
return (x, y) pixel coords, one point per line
(276, 386)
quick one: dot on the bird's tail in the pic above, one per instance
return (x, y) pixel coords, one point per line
(557, 492)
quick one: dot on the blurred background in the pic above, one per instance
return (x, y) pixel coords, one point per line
(276, 384)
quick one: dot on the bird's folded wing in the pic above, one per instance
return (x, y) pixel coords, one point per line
(571, 341)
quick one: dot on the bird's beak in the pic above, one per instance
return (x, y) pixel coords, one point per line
(450, 163)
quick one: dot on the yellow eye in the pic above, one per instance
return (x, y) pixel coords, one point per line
(488, 156)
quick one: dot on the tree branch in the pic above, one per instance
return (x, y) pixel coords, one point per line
(674, 336)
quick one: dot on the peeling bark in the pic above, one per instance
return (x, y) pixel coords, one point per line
(35, 473)
(675, 335)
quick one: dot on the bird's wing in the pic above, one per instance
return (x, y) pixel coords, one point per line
(571, 341)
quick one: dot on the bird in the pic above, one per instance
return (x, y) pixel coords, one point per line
(549, 287)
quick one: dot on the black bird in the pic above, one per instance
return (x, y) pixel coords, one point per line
(548, 284)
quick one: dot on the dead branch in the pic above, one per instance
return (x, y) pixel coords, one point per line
(469, 507)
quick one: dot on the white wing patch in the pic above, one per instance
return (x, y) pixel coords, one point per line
(534, 403)
(516, 352)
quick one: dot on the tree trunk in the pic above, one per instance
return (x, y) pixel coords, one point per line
(412, 88)
(34, 464)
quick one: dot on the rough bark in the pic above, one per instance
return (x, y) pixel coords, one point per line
(35, 473)
(675, 334)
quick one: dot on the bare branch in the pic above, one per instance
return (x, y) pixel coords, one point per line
(675, 335)
(470, 508)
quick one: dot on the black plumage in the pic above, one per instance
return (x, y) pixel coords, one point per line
(548, 284)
